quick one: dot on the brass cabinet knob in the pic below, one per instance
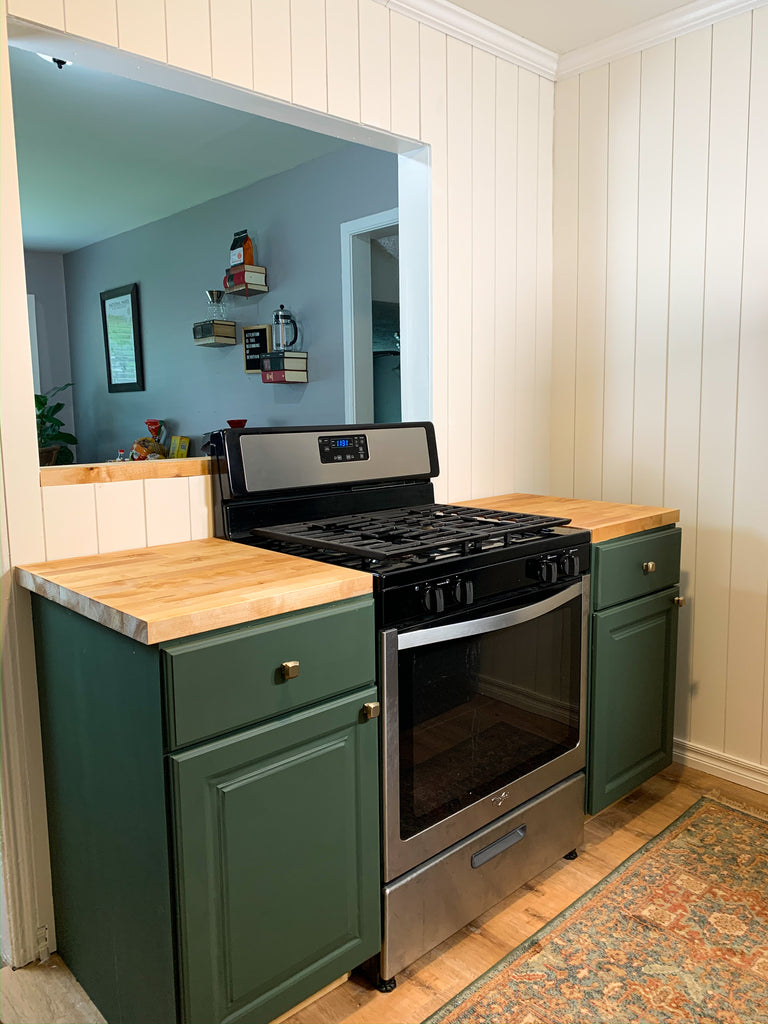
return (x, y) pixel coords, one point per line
(679, 601)
(371, 710)
(649, 567)
(289, 669)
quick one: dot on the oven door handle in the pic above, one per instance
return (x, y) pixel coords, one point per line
(489, 624)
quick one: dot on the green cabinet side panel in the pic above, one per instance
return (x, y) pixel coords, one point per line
(278, 861)
(101, 717)
(617, 566)
(632, 701)
(231, 678)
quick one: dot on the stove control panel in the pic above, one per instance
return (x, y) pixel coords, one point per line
(343, 448)
(551, 568)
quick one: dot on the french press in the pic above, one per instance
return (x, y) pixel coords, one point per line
(282, 336)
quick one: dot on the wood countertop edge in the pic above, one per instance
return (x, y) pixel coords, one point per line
(209, 615)
(117, 472)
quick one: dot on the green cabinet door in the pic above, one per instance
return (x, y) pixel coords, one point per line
(277, 849)
(632, 699)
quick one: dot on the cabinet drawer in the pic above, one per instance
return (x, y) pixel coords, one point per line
(232, 678)
(618, 573)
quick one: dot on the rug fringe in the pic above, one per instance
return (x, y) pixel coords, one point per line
(737, 805)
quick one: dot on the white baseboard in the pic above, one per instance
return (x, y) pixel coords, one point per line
(734, 769)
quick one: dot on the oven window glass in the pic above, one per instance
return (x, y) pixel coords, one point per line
(479, 712)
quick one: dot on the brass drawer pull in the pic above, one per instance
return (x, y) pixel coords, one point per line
(371, 710)
(679, 601)
(289, 669)
(649, 567)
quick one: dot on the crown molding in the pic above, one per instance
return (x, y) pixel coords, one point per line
(461, 24)
(485, 35)
(700, 14)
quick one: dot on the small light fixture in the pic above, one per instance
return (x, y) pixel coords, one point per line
(58, 61)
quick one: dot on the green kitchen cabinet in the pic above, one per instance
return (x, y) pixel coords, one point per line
(635, 595)
(213, 811)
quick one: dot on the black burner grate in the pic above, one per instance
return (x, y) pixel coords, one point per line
(428, 532)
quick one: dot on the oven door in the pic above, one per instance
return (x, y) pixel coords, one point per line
(480, 714)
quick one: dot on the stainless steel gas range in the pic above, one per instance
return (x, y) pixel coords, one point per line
(481, 618)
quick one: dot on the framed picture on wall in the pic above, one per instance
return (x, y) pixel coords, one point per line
(122, 338)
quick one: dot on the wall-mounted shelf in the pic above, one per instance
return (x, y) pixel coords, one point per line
(284, 368)
(215, 333)
(248, 281)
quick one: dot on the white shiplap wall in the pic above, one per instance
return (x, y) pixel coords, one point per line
(660, 349)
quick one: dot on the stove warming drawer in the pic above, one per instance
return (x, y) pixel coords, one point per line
(434, 900)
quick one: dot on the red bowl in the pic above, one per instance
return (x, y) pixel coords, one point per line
(237, 424)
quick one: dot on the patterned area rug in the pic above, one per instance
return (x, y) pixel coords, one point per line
(677, 933)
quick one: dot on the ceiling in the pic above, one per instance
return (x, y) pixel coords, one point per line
(100, 154)
(563, 25)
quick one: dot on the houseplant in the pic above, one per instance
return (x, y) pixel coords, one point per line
(52, 441)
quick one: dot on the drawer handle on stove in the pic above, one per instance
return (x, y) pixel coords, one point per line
(289, 669)
(499, 846)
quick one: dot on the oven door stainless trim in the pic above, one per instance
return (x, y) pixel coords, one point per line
(399, 855)
(490, 624)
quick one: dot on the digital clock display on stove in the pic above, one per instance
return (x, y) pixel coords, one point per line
(343, 448)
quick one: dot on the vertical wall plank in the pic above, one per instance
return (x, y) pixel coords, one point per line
(565, 201)
(483, 278)
(621, 277)
(748, 611)
(404, 74)
(460, 143)
(590, 315)
(308, 56)
(343, 42)
(722, 292)
(656, 108)
(525, 240)
(45, 12)
(231, 42)
(271, 21)
(432, 69)
(92, 19)
(69, 514)
(188, 24)
(690, 158)
(141, 28)
(120, 521)
(202, 501)
(506, 277)
(374, 64)
(542, 385)
(167, 510)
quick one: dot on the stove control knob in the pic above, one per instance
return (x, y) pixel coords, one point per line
(463, 592)
(570, 565)
(547, 571)
(434, 600)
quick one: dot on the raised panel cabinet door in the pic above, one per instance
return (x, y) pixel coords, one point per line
(632, 700)
(277, 851)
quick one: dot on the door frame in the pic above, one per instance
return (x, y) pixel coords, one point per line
(356, 314)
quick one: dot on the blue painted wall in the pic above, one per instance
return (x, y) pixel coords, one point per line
(293, 219)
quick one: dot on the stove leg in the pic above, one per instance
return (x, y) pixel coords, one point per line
(570, 856)
(386, 984)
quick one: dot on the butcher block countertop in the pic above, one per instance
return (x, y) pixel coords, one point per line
(176, 590)
(606, 519)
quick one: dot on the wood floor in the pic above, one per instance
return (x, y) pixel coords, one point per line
(47, 993)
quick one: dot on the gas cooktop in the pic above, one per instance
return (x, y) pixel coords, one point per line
(417, 534)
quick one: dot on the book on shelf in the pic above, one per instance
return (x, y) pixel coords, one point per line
(243, 277)
(248, 268)
(284, 376)
(214, 329)
(284, 361)
(244, 288)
